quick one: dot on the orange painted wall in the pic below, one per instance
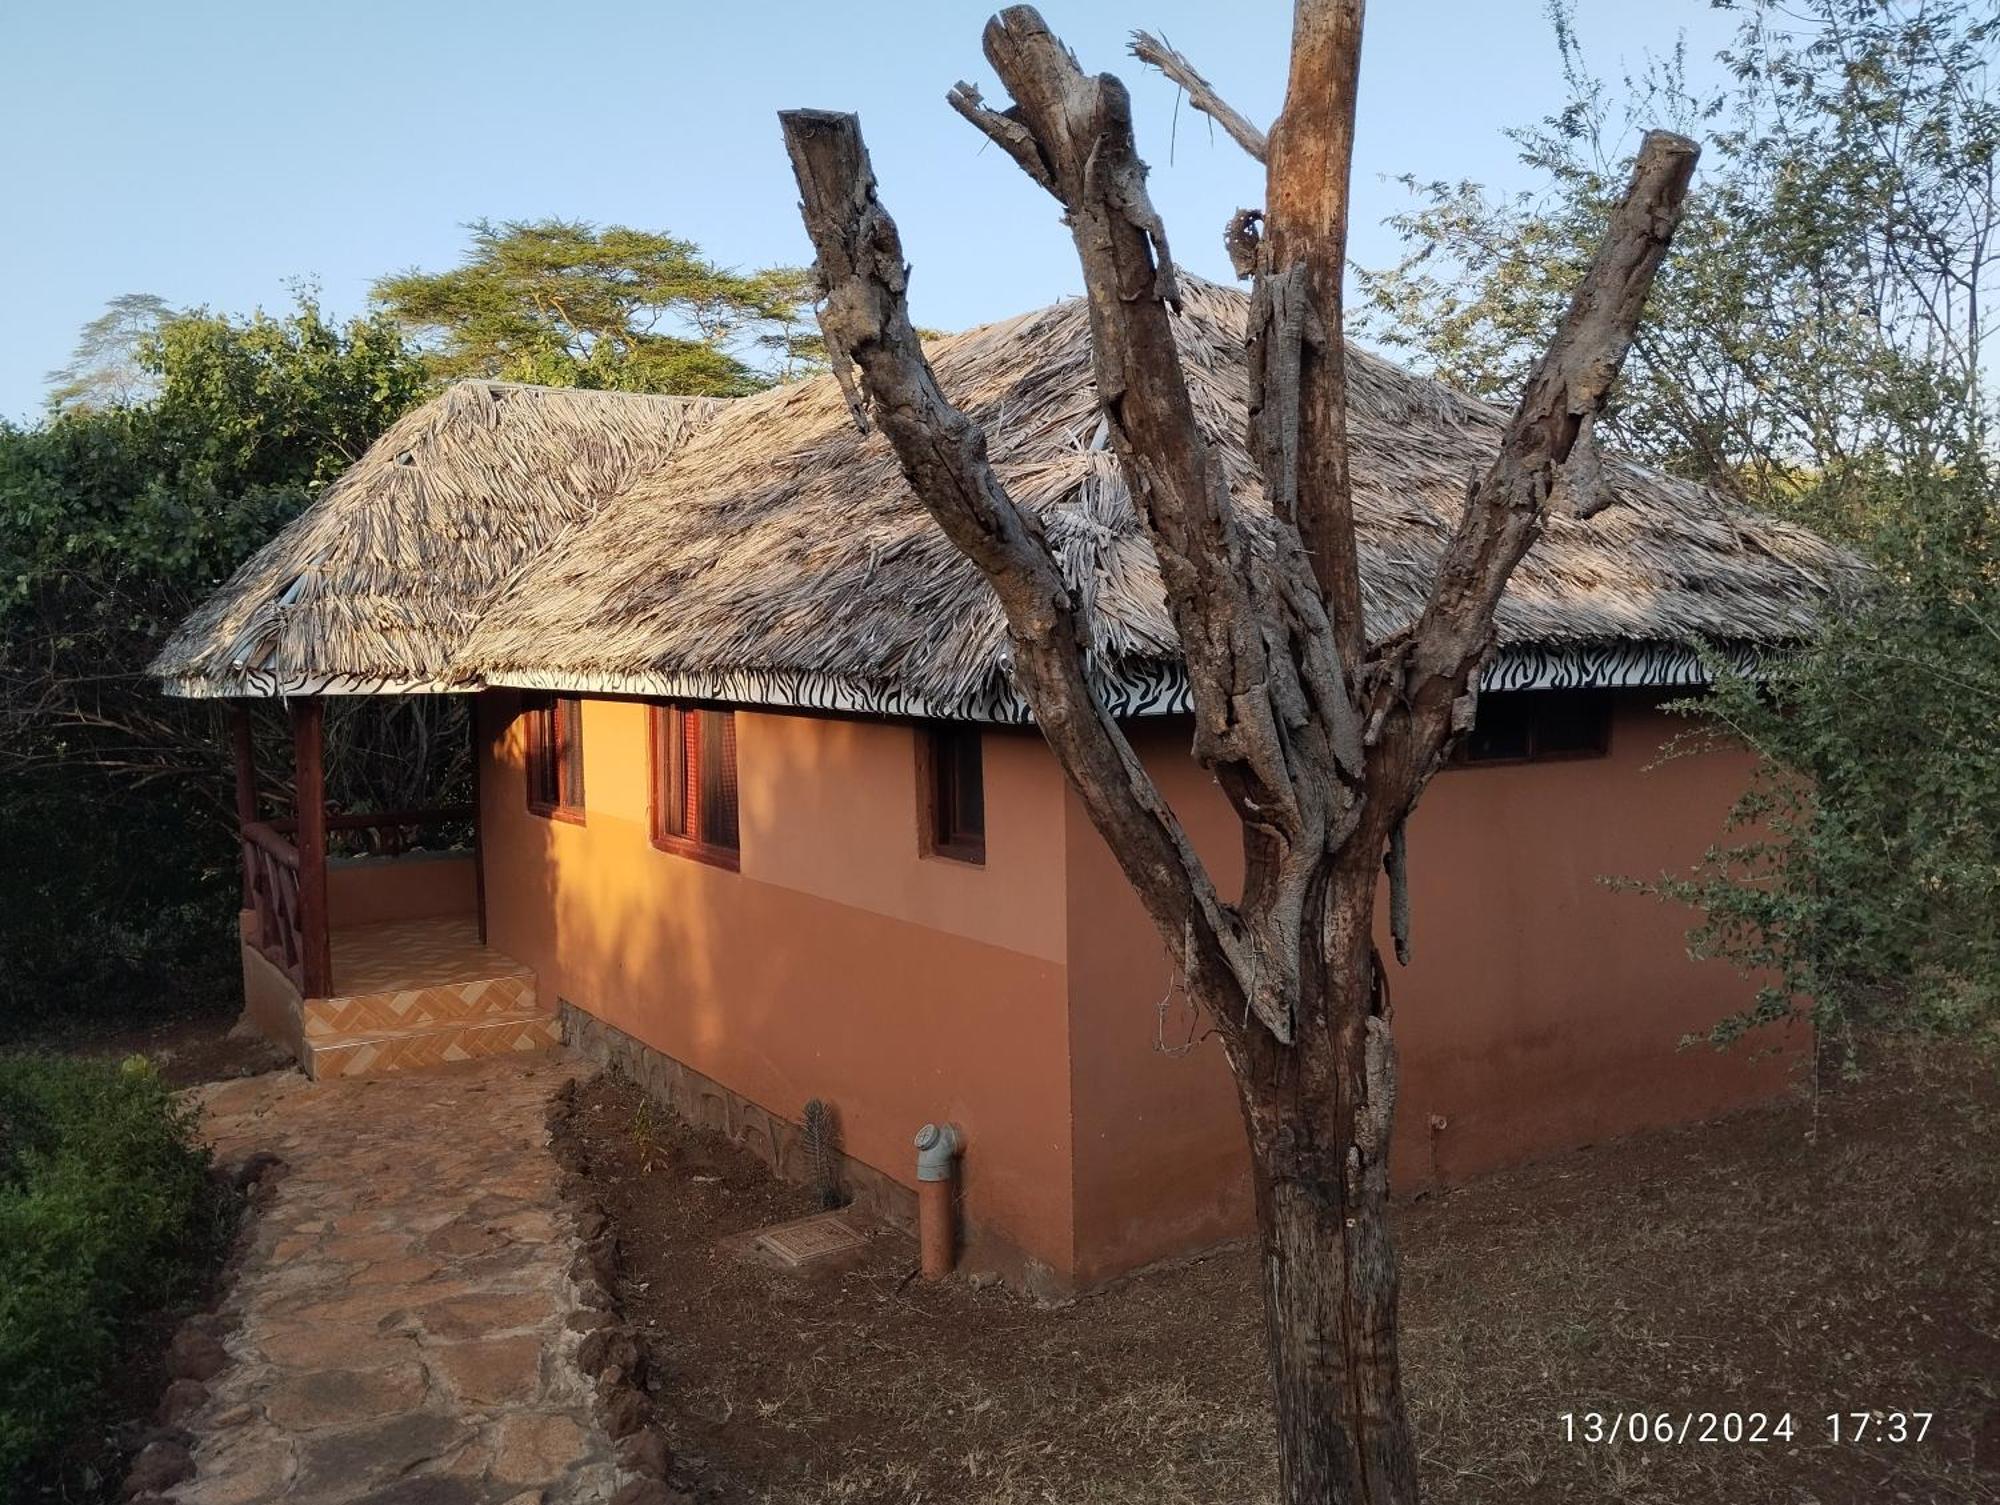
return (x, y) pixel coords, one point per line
(1541, 1010)
(1021, 999)
(415, 886)
(838, 962)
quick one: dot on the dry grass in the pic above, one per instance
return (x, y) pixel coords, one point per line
(1732, 1267)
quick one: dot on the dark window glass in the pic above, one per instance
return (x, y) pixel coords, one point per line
(569, 752)
(1522, 726)
(671, 816)
(555, 753)
(1500, 732)
(957, 793)
(694, 782)
(1573, 724)
(718, 778)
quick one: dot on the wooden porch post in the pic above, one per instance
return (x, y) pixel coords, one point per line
(246, 789)
(478, 814)
(309, 778)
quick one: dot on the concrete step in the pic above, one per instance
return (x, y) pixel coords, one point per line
(416, 1047)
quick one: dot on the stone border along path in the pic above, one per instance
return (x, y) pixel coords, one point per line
(404, 1321)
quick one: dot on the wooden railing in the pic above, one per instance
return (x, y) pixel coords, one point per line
(271, 873)
(286, 889)
(391, 833)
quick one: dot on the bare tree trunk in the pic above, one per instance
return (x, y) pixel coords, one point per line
(1321, 740)
(1317, 1115)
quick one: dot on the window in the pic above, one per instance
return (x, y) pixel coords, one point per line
(694, 783)
(555, 755)
(1537, 725)
(954, 793)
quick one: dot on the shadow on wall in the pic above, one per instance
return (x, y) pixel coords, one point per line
(783, 994)
(1542, 1009)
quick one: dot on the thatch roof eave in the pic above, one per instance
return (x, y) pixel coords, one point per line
(375, 585)
(1131, 691)
(763, 551)
(781, 545)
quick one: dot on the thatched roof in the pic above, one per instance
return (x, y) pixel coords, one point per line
(780, 558)
(764, 552)
(373, 588)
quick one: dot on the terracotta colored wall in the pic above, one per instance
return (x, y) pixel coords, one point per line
(838, 962)
(416, 886)
(1540, 1010)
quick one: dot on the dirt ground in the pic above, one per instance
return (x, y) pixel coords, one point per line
(1736, 1267)
(190, 1049)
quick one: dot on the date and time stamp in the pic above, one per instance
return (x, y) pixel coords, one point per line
(1749, 1428)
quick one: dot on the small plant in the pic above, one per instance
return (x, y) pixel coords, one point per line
(823, 1152)
(649, 1135)
(1860, 872)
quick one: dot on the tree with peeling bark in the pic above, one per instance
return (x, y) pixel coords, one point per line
(1321, 736)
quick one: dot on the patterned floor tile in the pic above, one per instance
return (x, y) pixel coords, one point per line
(444, 1003)
(417, 1050)
(400, 954)
(420, 993)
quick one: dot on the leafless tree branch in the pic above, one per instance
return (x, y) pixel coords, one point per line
(1155, 53)
(1506, 507)
(1269, 618)
(943, 453)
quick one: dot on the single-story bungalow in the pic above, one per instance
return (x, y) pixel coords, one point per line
(761, 816)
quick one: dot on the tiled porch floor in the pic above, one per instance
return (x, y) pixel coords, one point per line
(419, 993)
(403, 954)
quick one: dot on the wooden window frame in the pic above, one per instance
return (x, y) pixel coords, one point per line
(1607, 712)
(658, 716)
(934, 822)
(543, 714)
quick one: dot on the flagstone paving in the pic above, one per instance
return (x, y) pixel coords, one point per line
(403, 1328)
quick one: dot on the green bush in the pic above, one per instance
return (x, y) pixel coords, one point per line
(1861, 871)
(107, 1212)
(156, 881)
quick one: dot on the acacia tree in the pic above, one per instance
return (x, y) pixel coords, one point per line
(1321, 739)
(107, 368)
(569, 304)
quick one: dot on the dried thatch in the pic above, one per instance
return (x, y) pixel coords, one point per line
(376, 584)
(763, 551)
(780, 557)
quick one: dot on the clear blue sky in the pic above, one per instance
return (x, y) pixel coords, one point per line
(210, 151)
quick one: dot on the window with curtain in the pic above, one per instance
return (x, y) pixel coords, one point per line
(954, 792)
(694, 782)
(555, 754)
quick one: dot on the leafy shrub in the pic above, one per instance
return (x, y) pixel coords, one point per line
(107, 1212)
(1861, 872)
(115, 521)
(128, 916)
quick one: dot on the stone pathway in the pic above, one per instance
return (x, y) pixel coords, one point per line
(403, 1328)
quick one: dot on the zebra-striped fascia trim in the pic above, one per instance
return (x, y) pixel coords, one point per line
(1155, 689)
(1158, 689)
